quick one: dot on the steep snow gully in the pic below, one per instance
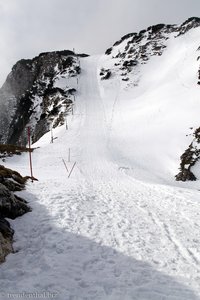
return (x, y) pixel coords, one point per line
(100, 234)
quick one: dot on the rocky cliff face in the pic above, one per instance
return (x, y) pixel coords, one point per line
(33, 95)
(189, 158)
(11, 206)
(126, 56)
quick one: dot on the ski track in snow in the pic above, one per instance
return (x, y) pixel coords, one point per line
(101, 234)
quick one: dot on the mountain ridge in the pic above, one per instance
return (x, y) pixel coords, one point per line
(108, 219)
(40, 92)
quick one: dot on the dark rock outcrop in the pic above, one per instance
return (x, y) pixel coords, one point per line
(12, 179)
(105, 74)
(190, 23)
(30, 95)
(189, 159)
(11, 206)
(5, 245)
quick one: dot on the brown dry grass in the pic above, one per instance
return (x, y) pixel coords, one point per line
(13, 149)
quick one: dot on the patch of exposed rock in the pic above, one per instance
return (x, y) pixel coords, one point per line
(11, 207)
(189, 159)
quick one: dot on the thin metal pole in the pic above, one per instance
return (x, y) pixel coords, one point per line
(72, 169)
(69, 155)
(30, 157)
(65, 165)
(66, 124)
(51, 133)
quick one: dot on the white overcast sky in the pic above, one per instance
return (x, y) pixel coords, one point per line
(28, 27)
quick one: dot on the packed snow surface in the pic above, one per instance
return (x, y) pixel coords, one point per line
(120, 227)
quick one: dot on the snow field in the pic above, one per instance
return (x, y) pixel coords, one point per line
(102, 233)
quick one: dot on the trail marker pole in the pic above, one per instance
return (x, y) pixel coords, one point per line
(30, 157)
(72, 170)
(69, 155)
(65, 165)
(51, 134)
(66, 123)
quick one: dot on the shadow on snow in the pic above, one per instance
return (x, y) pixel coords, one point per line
(76, 268)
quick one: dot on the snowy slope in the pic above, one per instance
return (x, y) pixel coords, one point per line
(103, 233)
(149, 123)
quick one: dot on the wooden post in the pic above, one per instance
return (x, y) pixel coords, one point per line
(30, 157)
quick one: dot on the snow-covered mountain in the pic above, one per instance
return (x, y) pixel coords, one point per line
(135, 49)
(108, 220)
(38, 92)
(157, 68)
